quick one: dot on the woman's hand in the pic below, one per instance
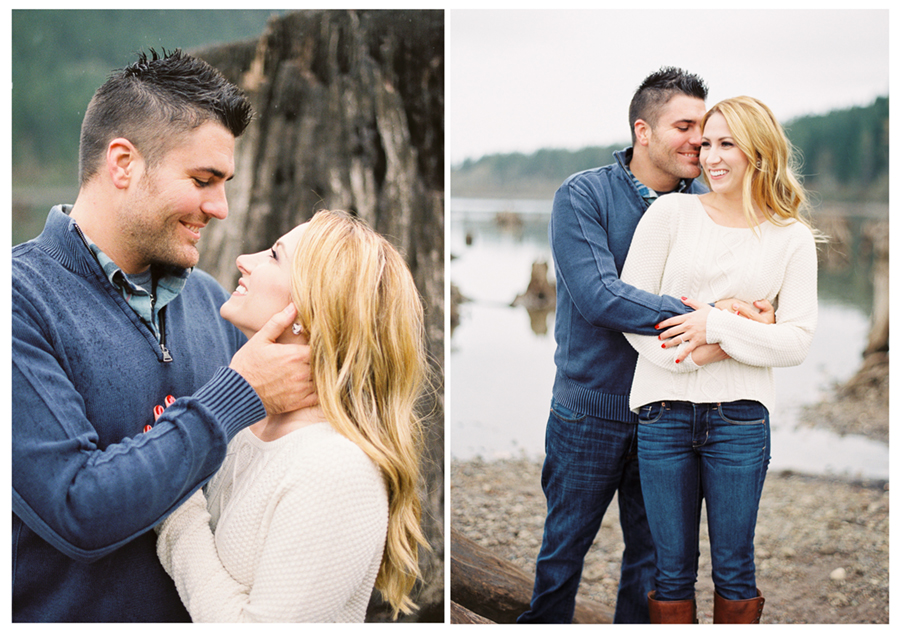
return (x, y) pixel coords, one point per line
(688, 330)
(158, 410)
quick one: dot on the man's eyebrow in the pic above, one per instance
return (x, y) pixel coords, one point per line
(215, 172)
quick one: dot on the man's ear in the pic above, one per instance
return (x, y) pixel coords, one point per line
(122, 162)
(642, 132)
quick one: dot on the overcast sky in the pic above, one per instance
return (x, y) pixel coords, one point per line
(521, 80)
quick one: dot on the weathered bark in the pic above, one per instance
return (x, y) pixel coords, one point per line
(495, 589)
(349, 115)
(458, 614)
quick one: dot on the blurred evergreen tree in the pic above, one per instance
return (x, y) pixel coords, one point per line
(60, 57)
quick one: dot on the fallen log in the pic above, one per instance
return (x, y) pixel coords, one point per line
(495, 589)
(458, 614)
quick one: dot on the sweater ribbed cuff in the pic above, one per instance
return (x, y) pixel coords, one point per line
(231, 400)
(715, 325)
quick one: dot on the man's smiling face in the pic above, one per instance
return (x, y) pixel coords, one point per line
(173, 201)
(674, 141)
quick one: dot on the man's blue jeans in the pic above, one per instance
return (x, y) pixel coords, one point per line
(718, 452)
(589, 460)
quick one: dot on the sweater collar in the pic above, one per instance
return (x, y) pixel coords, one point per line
(647, 194)
(64, 241)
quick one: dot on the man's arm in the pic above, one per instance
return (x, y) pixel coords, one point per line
(689, 330)
(86, 500)
(587, 267)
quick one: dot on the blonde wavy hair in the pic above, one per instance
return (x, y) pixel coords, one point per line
(770, 181)
(358, 303)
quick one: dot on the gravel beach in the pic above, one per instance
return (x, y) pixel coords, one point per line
(821, 543)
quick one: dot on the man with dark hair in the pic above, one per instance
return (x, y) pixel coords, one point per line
(110, 319)
(591, 441)
(656, 90)
(152, 102)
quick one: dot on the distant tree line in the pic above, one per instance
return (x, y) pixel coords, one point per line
(844, 156)
(845, 152)
(60, 57)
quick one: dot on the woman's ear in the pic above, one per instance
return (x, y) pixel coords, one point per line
(122, 162)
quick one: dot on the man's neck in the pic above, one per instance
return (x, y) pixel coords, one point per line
(97, 224)
(650, 175)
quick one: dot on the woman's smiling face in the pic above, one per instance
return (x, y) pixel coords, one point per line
(265, 285)
(722, 160)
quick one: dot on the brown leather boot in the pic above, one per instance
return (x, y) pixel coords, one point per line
(738, 610)
(683, 611)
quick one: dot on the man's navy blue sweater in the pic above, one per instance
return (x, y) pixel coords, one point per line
(594, 216)
(88, 483)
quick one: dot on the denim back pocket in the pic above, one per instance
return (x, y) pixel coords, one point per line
(564, 413)
(743, 412)
(651, 413)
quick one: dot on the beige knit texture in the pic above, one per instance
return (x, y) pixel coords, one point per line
(294, 532)
(679, 251)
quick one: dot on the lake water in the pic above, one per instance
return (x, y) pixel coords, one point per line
(501, 370)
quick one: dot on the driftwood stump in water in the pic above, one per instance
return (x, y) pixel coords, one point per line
(349, 112)
(539, 298)
(874, 371)
(493, 588)
(540, 293)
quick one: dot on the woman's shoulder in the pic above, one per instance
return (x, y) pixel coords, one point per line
(323, 450)
(675, 208)
(676, 201)
(795, 231)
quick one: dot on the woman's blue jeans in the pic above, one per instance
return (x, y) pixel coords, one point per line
(717, 452)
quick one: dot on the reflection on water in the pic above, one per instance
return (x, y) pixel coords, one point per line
(502, 370)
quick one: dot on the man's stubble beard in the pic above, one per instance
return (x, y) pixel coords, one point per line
(153, 231)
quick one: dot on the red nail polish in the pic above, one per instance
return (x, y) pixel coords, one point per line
(677, 360)
(664, 345)
(170, 399)
(147, 428)
(656, 327)
(158, 410)
(683, 298)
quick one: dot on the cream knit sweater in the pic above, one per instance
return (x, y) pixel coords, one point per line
(679, 250)
(291, 530)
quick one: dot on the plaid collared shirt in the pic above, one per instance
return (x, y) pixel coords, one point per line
(145, 304)
(651, 195)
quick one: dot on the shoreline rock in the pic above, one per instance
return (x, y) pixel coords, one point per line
(810, 532)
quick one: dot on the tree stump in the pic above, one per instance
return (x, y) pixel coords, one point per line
(349, 112)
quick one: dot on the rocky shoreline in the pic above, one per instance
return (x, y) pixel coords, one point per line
(821, 542)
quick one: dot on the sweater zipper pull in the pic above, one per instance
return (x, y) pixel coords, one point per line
(167, 356)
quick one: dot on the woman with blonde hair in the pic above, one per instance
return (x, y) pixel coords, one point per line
(313, 508)
(704, 432)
